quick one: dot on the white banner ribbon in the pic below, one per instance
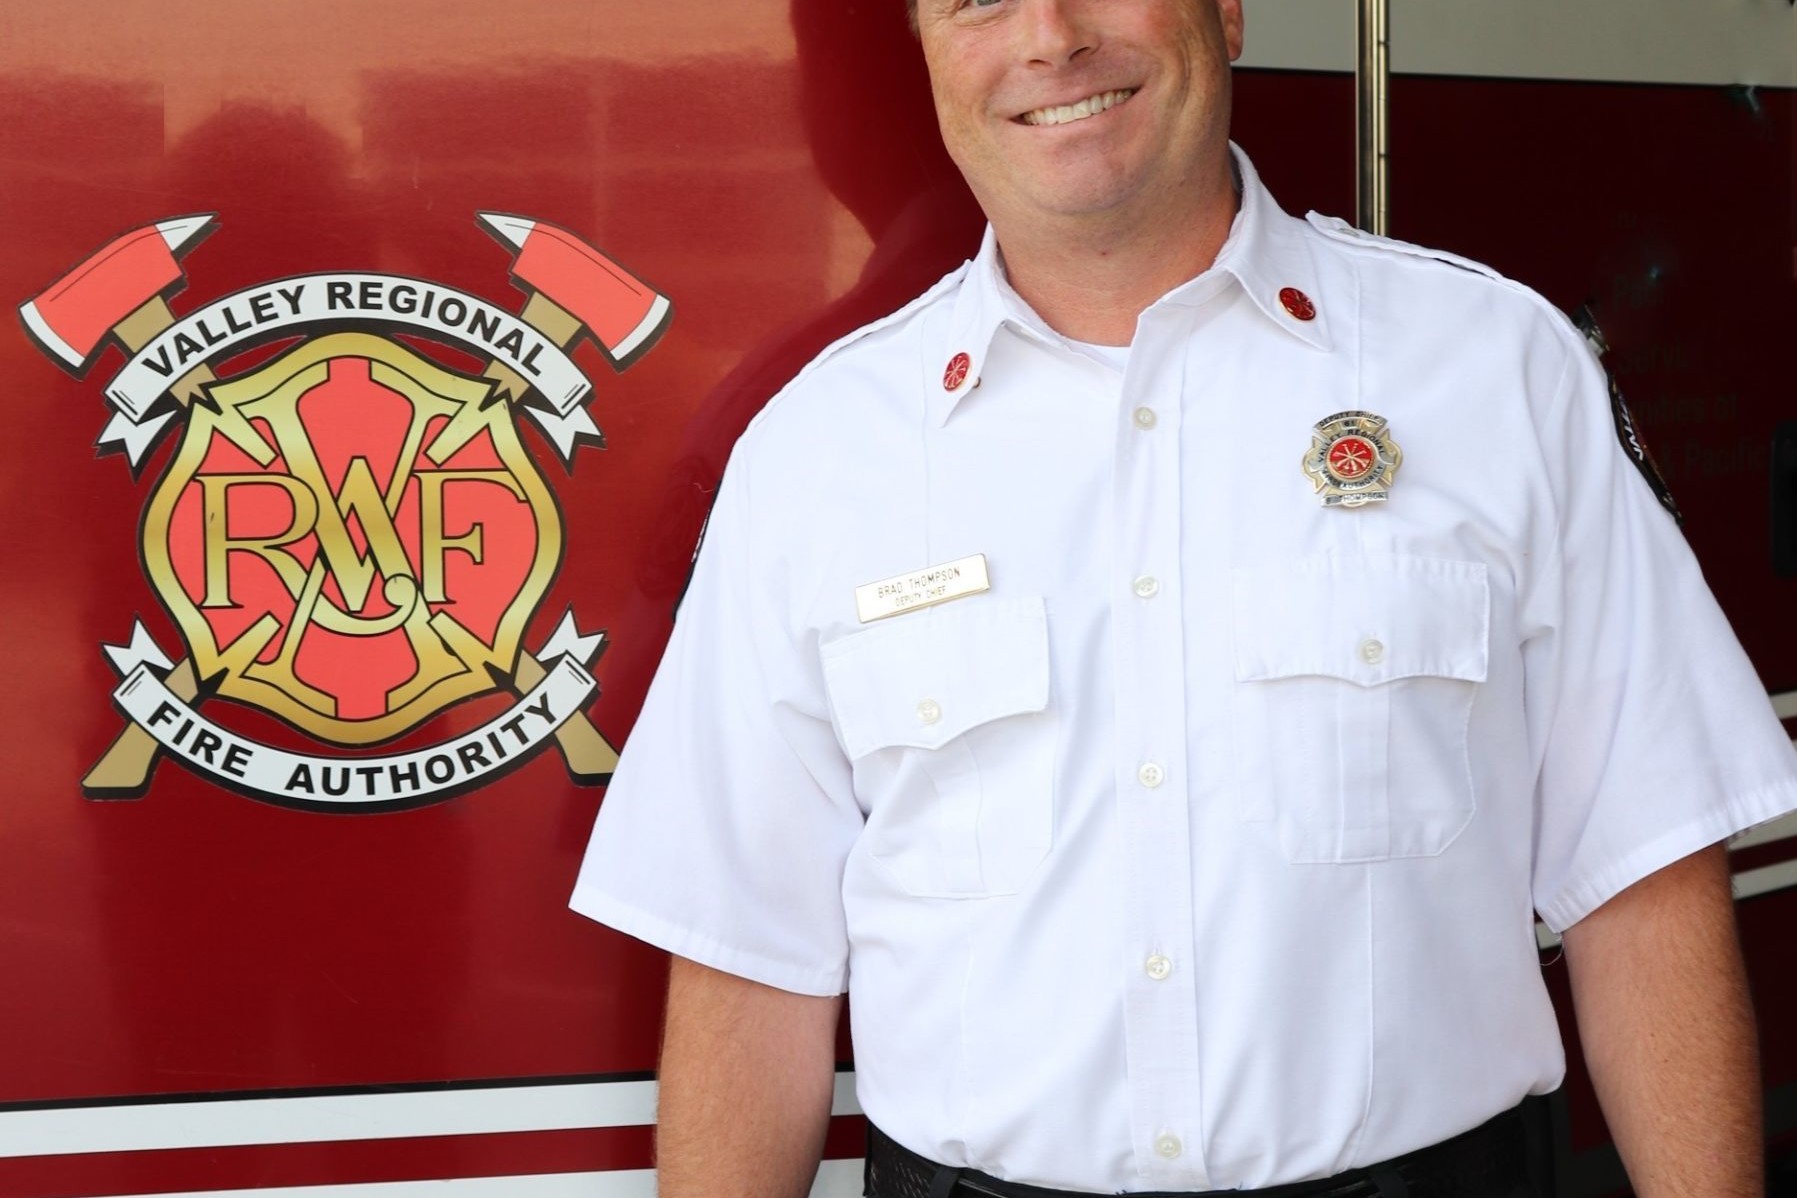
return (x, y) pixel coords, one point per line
(435, 772)
(566, 433)
(293, 305)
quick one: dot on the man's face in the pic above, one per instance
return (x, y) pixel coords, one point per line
(1081, 107)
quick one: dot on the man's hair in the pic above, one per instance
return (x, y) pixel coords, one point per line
(911, 13)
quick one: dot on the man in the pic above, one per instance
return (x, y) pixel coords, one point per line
(1177, 805)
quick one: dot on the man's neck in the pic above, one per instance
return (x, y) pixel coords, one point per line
(1091, 279)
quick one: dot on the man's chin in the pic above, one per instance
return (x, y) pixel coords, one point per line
(1095, 198)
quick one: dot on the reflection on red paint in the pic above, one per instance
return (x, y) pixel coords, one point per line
(775, 174)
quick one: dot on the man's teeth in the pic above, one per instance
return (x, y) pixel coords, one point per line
(1091, 106)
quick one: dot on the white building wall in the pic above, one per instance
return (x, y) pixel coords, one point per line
(1649, 41)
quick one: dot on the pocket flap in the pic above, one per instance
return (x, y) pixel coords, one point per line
(1363, 619)
(924, 679)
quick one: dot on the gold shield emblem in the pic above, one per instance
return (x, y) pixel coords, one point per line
(1352, 459)
(351, 537)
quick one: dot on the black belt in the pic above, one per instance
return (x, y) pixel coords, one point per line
(1503, 1158)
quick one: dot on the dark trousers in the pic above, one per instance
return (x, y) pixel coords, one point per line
(1509, 1157)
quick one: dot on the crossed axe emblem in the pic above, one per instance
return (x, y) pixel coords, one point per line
(119, 294)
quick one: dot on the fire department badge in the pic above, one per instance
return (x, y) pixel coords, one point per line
(1352, 459)
(349, 535)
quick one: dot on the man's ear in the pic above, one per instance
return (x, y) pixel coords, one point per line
(1230, 12)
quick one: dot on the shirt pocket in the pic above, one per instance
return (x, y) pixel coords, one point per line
(1354, 684)
(945, 716)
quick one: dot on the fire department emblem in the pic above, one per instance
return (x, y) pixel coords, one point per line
(1352, 459)
(349, 535)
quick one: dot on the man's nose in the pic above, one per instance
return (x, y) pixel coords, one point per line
(1055, 32)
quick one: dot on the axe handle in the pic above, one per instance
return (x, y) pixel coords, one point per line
(124, 768)
(551, 319)
(590, 757)
(548, 318)
(142, 326)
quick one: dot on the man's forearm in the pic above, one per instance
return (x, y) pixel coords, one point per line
(747, 1073)
(1667, 1026)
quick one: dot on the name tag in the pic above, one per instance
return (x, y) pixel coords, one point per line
(922, 588)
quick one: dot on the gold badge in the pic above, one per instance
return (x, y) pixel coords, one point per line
(1352, 459)
(921, 588)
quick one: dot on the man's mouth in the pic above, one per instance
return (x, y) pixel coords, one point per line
(1060, 114)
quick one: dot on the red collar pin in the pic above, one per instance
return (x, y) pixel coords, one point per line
(1297, 304)
(956, 372)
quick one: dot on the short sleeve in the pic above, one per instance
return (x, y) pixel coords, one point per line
(723, 834)
(1659, 738)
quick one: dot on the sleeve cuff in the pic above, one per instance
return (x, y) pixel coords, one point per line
(1583, 895)
(825, 982)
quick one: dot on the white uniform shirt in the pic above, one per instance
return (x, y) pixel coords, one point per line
(1202, 851)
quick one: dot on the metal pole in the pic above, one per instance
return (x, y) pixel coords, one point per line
(1372, 76)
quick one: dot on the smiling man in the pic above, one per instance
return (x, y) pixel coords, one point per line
(1161, 673)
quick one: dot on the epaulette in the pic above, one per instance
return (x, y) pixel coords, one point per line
(1337, 229)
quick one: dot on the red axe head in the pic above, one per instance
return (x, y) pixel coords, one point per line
(624, 315)
(71, 318)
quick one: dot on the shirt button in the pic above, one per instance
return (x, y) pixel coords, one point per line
(929, 711)
(1158, 967)
(1151, 775)
(1147, 587)
(1145, 418)
(1168, 1146)
(1372, 652)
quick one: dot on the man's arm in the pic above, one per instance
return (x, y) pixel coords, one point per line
(1660, 992)
(747, 1073)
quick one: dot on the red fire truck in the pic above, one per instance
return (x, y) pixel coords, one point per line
(285, 913)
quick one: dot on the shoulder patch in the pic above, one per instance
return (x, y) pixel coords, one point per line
(1632, 444)
(1637, 451)
(1337, 229)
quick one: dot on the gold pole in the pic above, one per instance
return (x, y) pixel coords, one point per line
(1372, 77)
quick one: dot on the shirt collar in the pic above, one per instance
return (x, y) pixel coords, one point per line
(1266, 254)
(1269, 253)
